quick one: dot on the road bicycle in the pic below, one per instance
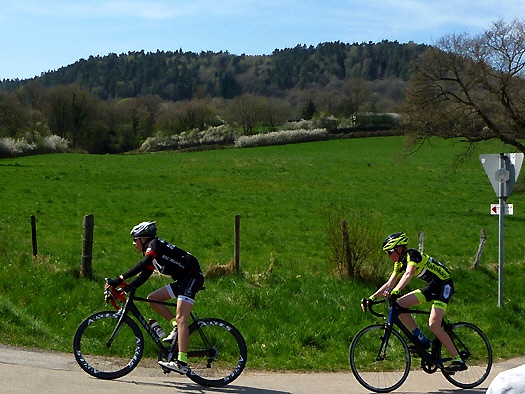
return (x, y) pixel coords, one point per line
(380, 357)
(110, 344)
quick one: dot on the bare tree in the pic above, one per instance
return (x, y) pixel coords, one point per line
(246, 111)
(471, 87)
(356, 92)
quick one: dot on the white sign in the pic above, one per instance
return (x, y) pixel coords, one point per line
(509, 209)
(503, 171)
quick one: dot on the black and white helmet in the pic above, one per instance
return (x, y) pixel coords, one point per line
(144, 229)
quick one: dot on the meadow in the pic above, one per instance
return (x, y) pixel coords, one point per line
(295, 312)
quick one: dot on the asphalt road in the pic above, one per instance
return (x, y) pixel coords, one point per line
(26, 371)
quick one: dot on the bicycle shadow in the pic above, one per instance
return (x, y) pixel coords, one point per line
(448, 391)
(194, 388)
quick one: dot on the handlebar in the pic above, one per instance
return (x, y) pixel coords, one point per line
(114, 294)
(368, 304)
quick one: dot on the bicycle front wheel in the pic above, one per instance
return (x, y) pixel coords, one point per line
(377, 365)
(474, 348)
(217, 352)
(102, 359)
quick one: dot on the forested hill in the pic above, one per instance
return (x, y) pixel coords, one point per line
(182, 75)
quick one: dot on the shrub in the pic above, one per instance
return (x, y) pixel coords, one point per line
(54, 143)
(355, 245)
(323, 121)
(300, 124)
(216, 135)
(32, 144)
(281, 138)
(220, 135)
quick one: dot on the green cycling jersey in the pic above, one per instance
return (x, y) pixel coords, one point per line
(427, 268)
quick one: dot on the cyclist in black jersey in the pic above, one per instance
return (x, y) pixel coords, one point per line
(184, 269)
(407, 264)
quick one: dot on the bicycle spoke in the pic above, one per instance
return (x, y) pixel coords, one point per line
(97, 356)
(475, 349)
(384, 371)
(217, 352)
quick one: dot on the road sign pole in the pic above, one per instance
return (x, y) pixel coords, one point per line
(503, 171)
(501, 249)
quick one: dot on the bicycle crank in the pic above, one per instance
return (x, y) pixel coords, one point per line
(428, 367)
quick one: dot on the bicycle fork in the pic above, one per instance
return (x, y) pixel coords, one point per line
(381, 355)
(122, 314)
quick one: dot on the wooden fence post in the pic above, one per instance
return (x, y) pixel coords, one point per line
(237, 246)
(33, 235)
(86, 270)
(482, 240)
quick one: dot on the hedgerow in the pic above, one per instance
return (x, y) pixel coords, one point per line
(31, 145)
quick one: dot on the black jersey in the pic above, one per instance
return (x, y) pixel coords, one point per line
(167, 259)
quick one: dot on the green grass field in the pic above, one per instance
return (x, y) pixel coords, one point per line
(293, 310)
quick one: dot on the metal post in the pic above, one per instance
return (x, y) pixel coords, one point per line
(501, 231)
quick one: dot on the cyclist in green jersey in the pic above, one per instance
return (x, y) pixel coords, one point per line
(409, 263)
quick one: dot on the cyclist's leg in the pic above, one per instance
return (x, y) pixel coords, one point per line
(187, 291)
(413, 298)
(184, 307)
(434, 323)
(162, 294)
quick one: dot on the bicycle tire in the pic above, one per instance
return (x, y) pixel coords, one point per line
(379, 375)
(217, 352)
(474, 347)
(95, 357)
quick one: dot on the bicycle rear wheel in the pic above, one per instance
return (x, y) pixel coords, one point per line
(217, 352)
(378, 366)
(100, 359)
(474, 348)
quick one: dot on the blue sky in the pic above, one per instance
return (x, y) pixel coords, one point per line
(38, 35)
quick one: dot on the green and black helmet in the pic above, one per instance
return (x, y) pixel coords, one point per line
(394, 240)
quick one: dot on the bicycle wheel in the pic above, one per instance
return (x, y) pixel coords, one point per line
(474, 348)
(217, 352)
(377, 366)
(103, 361)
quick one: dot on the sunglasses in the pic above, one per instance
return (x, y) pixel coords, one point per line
(390, 251)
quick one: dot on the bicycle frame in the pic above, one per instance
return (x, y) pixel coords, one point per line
(393, 319)
(131, 307)
(217, 350)
(386, 369)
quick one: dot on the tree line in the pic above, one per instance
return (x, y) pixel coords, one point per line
(113, 103)
(467, 87)
(179, 75)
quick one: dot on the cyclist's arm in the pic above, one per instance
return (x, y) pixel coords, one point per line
(141, 278)
(145, 264)
(143, 269)
(386, 287)
(405, 279)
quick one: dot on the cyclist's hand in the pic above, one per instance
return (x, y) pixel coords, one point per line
(114, 282)
(394, 294)
(365, 302)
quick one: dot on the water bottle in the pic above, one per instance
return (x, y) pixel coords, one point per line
(421, 337)
(157, 328)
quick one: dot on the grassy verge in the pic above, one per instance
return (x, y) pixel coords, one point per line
(292, 309)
